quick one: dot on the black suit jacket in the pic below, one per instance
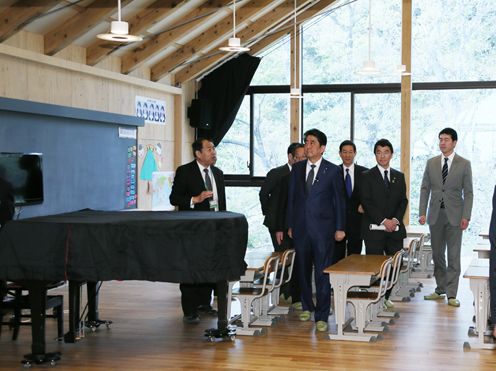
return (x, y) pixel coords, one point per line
(353, 217)
(188, 182)
(381, 203)
(273, 197)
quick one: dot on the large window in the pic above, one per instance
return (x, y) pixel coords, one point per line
(329, 113)
(453, 40)
(335, 45)
(377, 116)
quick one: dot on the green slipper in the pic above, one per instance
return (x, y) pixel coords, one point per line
(434, 296)
(321, 326)
(454, 302)
(297, 305)
(305, 315)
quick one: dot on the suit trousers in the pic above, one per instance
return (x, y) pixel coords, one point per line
(292, 288)
(492, 282)
(445, 236)
(194, 295)
(314, 252)
(351, 244)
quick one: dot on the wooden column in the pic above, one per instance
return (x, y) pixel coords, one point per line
(406, 95)
(295, 104)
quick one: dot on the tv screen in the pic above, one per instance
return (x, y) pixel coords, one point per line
(24, 173)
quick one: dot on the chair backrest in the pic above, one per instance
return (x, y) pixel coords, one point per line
(385, 273)
(410, 256)
(269, 270)
(396, 267)
(288, 258)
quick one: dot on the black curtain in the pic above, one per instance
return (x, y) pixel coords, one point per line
(224, 89)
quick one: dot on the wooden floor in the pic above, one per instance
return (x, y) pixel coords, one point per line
(148, 333)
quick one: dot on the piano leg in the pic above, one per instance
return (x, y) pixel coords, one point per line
(223, 331)
(74, 305)
(37, 301)
(94, 320)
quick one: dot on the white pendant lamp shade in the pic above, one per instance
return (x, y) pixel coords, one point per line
(119, 30)
(234, 43)
(369, 68)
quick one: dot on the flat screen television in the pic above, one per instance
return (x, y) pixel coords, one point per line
(24, 172)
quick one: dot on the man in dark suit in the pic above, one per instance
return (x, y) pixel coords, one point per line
(383, 197)
(273, 199)
(351, 173)
(316, 218)
(199, 186)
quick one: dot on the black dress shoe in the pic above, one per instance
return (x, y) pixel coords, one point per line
(207, 309)
(195, 318)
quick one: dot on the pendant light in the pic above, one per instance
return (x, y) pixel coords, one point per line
(295, 91)
(369, 67)
(234, 43)
(119, 30)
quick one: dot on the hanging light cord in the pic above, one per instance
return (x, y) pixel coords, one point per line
(234, 18)
(370, 29)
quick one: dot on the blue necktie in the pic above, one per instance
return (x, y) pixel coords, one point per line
(310, 177)
(347, 182)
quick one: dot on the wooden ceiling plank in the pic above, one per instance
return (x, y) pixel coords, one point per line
(138, 24)
(196, 68)
(64, 34)
(152, 46)
(21, 13)
(220, 31)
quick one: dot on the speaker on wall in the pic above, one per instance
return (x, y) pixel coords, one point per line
(200, 114)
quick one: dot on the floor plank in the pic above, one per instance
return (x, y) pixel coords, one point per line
(148, 334)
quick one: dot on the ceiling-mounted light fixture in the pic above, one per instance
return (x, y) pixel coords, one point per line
(295, 92)
(369, 67)
(234, 43)
(119, 30)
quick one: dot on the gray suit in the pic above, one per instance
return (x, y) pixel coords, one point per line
(444, 223)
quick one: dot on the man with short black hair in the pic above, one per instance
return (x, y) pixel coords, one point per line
(447, 181)
(383, 196)
(199, 186)
(316, 218)
(352, 173)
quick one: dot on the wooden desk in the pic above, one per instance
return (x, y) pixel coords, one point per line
(354, 270)
(478, 274)
(482, 250)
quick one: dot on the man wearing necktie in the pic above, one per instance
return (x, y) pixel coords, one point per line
(316, 219)
(383, 197)
(447, 181)
(198, 186)
(352, 243)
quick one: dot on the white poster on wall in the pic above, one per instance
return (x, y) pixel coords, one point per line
(152, 110)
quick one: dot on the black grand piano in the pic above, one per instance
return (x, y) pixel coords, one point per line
(92, 246)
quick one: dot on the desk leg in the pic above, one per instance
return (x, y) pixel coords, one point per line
(340, 288)
(37, 301)
(480, 290)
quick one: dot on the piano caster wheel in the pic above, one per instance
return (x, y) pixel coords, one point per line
(39, 359)
(228, 333)
(26, 364)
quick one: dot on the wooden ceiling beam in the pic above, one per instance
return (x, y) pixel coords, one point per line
(273, 36)
(138, 25)
(21, 13)
(182, 26)
(217, 33)
(205, 63)
(65, 33)
(261, 25)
